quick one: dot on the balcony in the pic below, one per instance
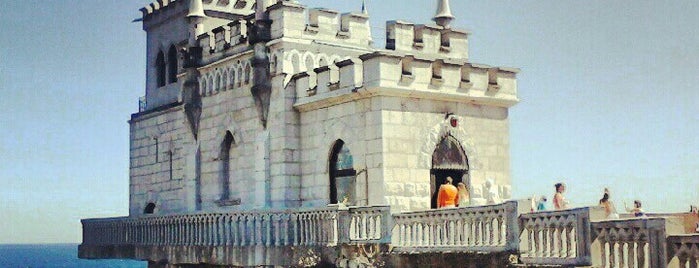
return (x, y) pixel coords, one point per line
(372, 237)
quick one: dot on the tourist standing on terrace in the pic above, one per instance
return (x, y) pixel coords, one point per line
(637, 209)
(464, 196)
(559, 201)
(541, 204)
(609, 209)
(447, 197)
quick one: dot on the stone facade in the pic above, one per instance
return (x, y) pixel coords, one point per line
(213, 140)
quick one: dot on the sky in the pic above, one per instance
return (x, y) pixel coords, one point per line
(609, 98)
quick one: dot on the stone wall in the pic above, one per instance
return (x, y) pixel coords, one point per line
(411, 130)
(160, 143)
(358, 125)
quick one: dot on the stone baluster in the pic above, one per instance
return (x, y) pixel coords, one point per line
(642, 254)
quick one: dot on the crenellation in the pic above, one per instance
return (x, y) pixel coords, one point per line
(409, 75)
(424, 39)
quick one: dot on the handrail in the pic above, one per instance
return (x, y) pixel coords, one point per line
(251, 228)
(631, 242)
(685, 248)
(560, 237)
(491, 228)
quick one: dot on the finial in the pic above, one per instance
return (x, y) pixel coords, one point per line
(364, 10)
(196, 9)
(443, 16)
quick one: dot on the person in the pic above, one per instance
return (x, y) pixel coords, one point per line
(492, 193)
(609, 209)
(463, 196)
(559, 201)
(541, 204)
(447, 197)
(637, 209)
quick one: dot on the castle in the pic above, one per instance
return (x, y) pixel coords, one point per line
(272, 134)
(269, 104)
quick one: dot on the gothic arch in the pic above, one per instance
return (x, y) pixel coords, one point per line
(440, 131)
(342, 175)
(225, 164)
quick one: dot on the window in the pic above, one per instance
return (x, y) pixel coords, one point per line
(149, 209)
(172, 65)
(342, 175)
(225, 173)
(160, 69)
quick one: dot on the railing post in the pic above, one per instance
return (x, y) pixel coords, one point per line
(512, 236)
(343, 225)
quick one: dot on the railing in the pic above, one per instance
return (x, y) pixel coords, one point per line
(685, 248)
(556, 237)
(638, 242)
(265, 228)
(369, 224)
(469, 229)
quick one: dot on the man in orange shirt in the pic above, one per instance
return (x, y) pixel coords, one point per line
(447, 196)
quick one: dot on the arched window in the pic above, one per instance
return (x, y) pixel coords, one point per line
(342, 175)
(172, 65)
(225, 173)
(160, 69)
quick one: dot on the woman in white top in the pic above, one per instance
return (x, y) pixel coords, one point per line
(464, 196)
(559, 201)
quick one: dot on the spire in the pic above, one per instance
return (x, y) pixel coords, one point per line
(364, 10)
(196, 9)
(443, 16)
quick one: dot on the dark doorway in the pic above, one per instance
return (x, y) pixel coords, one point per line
(448, 160)
(439, 177)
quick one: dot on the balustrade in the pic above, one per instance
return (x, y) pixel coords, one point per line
(469, 229)
(274, 228)
(685, 248)
(369, 224)
(556, 237)
(638, 242)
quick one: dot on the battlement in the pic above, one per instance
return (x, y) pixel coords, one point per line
(214, 8)
(426, 39)
(396, 74)
(293, 20)
(219, 41)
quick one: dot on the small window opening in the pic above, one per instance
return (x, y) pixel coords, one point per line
(150, 208)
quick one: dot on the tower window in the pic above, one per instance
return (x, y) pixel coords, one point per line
(172, 65)
(160, 69)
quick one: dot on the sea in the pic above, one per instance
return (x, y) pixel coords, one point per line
(55, 255)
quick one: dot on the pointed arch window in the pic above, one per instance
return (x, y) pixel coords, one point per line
(342, 175)
(160, 69)
(172, 65)
(225, 158)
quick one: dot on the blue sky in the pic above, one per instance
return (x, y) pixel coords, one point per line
(609, 90)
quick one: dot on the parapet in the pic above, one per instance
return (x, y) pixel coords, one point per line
(216, 8)
(396, 74)
(426, 39)
(319, 24)
(219, 41)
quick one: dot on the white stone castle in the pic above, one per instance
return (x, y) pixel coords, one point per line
(275, 135)
(270, 104)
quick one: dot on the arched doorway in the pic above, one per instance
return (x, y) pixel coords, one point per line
(448, 160)
(342, 175)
